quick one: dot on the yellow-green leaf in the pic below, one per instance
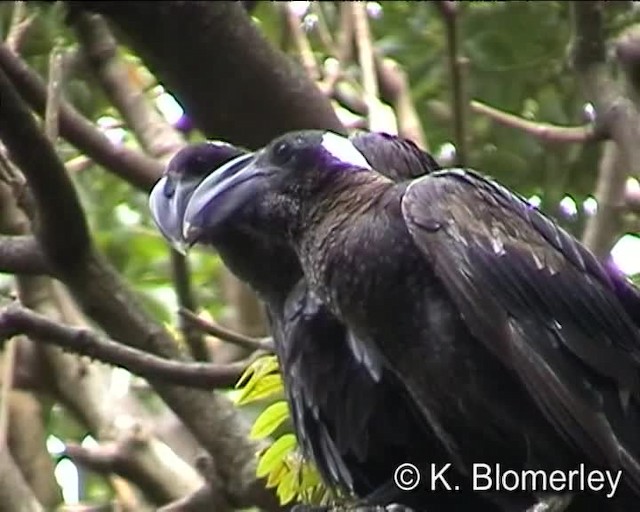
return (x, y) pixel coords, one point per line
(288, 487)
(275, 454)
(310, 477)
(267, 386)
(276, 474)
(269, 420)
(260, 367)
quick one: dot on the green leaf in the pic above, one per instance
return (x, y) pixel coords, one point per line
(269, 420)
(275, 454)
(288, 487)
(277, 474)
(260, 367)
(267, 386)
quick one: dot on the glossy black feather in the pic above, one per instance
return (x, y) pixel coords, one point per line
(514, 344)
(560, 319)
(356, 423)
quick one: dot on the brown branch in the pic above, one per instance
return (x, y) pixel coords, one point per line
(80, 386)
(15, 320)
(458, 65)
(615, 111)
(201, 499)
(85, 390)
(545, 132)
(15, 494)
(303, 46)
(99, 46)
(134, 455)
(371, 94)
(22, 255)
(395, 89)
(322, 28)
(151, 130)
(132, 166)
(6, 385)
(19, 25)
(180, 40)
(186, 299)
(210, 327)
(101, 292)
(59, 209)
(54, 94)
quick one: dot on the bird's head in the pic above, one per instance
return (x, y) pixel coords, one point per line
(185, 171)
(273, 183)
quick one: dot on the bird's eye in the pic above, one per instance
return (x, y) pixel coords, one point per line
(282, 152)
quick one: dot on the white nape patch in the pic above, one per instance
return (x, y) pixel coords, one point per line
(342, 148)
(218, 143)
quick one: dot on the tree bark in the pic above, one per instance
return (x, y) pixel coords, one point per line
(245, 90)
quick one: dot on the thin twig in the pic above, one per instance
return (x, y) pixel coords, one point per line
(132, 166)
(153, 132)
(15, 319)
(133, 454)
(210, 327)
(395, 89)
(457, 70)
(367, 66)
(545, 132)
(301, 41)
(8, 366)
(323, 29)
(615, 110)
(186, 299)
(18, 26)
(54, 93)
(78, 164)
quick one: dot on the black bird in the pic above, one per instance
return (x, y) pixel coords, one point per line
(352, 418)
(516, 344)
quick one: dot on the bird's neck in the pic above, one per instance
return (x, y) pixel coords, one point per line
(342, 199)
(336, 227)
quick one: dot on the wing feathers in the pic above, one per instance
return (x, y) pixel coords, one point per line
(538, 300)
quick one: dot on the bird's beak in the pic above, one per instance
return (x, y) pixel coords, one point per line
(167, 202)
(220, 195)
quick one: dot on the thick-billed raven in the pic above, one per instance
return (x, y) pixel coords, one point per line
(518, 347)
(352, 418)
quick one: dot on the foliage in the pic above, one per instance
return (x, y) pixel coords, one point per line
(518, 63)
(280, 462)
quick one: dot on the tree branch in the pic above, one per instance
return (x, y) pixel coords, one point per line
(59, 208)
(99, 289)
(210, 327)
(132, 166)
(15, 494)
(19, 25)
(545, 132)
(371, 93)
(260, 83)
(134, 455)
(15, 320)
(151, 130)
(395, 89)
(305, 52)
(615, 111)
(22, 255)
(457, 70)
